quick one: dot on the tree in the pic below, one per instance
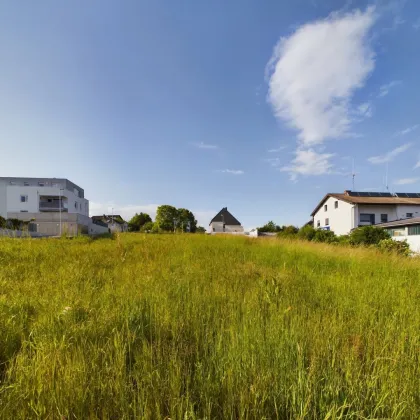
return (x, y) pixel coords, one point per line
(200, 229)
(327, 236)
(269, 227)
(391, 246)
(167, 218)
(306, 232)
(147, 227)
(186, 221)
(2, 222)
(138, 221)
(368, 235)
(288, 231)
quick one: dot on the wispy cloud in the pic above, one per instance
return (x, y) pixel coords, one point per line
(279, 149)
(407, 130)
(417, 165)
(391, 155)
(202, 145)
(232, 171)
(406, 181)
(365, 110)
(312, 76)
(384, 89)
(416, 25)
(308, 162)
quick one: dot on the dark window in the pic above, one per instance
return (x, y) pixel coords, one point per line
(41, 184)
(214, 229)
(318, 224)
(336, 204)
(327, 222)
(414, 230)
(23, 198)
(24, 211)
(367, 218)
(75, 205)
(26, 184)
(384, 218)
(409, 215)
(325, 207)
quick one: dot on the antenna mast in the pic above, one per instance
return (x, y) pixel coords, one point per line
(353, 174)
(386, 178)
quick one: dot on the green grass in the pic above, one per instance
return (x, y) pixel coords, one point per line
(198, 327)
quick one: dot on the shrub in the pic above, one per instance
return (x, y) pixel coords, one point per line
(307, 233)
(2, 222)
(147, 227)
(14, 224)
(394, 247)
(368, 235)
(326, 236)
(288, 231)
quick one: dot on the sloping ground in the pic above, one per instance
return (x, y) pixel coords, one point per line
(191, 326)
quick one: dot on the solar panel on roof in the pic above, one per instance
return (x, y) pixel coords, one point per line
(408, 195)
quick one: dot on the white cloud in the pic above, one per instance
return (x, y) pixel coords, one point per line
(127, 211)
(202, 145)
(232, 171)
(384, 89)
(314, 72)
(388, 157)
(407, 130)
(279, 149)
(406, 181)
(417, 165)
(416, 25)
(365, 110)
(308, 162)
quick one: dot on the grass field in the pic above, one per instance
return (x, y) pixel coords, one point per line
(198, 327)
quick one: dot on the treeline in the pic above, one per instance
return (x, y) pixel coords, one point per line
(168, 219)
(363, 236)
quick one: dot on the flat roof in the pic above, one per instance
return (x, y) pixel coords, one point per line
(401, 222)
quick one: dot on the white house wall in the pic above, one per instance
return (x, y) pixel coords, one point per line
(217, 227)
(14, 204)
(341, 219)
(402, 211)
(377, 210)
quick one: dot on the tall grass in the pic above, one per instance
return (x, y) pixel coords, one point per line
(198, 327)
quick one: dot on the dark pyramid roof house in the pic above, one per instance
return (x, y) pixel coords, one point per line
(225, 217)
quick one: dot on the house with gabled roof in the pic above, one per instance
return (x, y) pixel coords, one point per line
(342, 213)
(225, 222)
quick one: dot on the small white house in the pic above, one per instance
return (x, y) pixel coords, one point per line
(341, 213)
(225, 222)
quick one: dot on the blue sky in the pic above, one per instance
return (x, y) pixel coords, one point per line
(257, 106)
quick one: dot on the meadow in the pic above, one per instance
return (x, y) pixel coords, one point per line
(200, 327)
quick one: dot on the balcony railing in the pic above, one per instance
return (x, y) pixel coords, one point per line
(52, 206)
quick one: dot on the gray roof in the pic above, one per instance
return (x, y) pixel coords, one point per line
(225, 217)
(401, 222)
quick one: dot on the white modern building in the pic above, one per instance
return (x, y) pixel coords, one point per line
(225, 222)
(343, 212)
(52, 205)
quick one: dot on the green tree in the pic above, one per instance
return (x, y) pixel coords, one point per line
(288, 231)
(307, 233)
(138, 221)
(2, 222)
(390, 246)
(327, 236)
(368, 235)
(166, 218)
(186, 221)
(269, 227)
(147, 227)
(200, 229)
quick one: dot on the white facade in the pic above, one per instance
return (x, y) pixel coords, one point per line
(52, 205)
(341, 217)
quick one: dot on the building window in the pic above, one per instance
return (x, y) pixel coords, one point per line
(26, 183)
(318, 223)
(23, 198)
(396, 232)
(24, 211)
(325, 207)
(12, 183)
(327, 222)
(384, 218)
(367, 218)
(41, 184)
(336, 204)
(75, 205)
(414, 230)
(409, 215)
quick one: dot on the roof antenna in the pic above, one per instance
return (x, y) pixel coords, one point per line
(386, 178)
(353, 174)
